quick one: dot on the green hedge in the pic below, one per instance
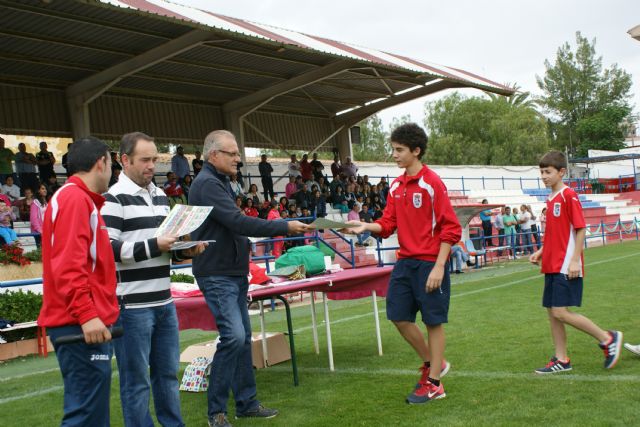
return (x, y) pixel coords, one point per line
(21, 307)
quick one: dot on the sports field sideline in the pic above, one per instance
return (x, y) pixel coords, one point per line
(497, 334)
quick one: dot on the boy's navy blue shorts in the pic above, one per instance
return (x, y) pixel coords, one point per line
(407, 293)
(559, 291)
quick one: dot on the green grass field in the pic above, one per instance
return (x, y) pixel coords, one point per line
(498, 333)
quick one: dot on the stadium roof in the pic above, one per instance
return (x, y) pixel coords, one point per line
(604, 159)
(635, 32)
(179, 72)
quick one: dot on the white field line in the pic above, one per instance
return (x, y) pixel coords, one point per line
(32, 394)
(17, 377)
(469, 374)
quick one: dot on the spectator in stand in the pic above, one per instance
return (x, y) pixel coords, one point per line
(339, 201)
(318, 205)
(458, 256)
(45, 161)
(249, 209)
(197, 163)
(306, 169)
(284, 204)
(293, 167)
(518, 237)
(275, 248)
(180, 164)
(26, 168)
(65, 161)
(365, 213)
(317, 167)
(236, 187)
(10, 189)
(186, 185)
(116, 168)
(485, 217)
(543, 220)
(24, 205)
(377, 214)
(52, 184)
(499, 224)
(349, 169)
(510, 222)
(239, 176)
(266, 170)
(6, 216)
(36, 213)
(240, 204)
(335, 167)
(253, 195)
(6, 156)
(173, 190)
(322, 185)
(337, 182)
(291, 187)
(302, 197)
(354, 215)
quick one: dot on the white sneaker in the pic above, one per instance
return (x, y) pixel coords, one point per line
(635, 349)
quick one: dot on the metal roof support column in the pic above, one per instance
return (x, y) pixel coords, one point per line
(343, 142)
(233, 122)
(79, 114)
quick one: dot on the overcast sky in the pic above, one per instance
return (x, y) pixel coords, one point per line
(505, 41)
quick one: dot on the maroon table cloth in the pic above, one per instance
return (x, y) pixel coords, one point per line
(193, 312)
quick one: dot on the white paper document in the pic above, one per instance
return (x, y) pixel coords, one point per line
(178, 246)
(183, 219)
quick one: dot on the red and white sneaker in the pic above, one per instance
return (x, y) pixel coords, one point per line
(424, 373)
(426, 393)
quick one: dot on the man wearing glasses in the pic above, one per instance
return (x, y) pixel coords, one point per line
(221, 272)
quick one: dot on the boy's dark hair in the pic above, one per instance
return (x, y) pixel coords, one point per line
(85, 152)
(129, 141)
(412, 136)
(555, 159)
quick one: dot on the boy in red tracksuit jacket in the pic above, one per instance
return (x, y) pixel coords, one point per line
(419, 208)
(79, 284)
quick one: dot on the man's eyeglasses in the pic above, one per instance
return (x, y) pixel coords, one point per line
(230, 153)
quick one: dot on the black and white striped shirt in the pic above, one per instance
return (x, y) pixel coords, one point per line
(132, 215)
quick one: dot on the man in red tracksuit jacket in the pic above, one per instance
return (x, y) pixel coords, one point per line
(79, 281)
(419, 208)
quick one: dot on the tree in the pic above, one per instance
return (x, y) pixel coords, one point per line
(602, 130)
(493, 131)
(575, 87)
(374, 144)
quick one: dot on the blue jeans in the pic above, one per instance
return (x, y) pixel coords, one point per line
(459, 256)
(150, 343)
(526, 241)
(232, 368)
(511, 242)
(363, 236)
(86, 373)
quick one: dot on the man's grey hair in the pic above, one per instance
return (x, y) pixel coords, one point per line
(213, 141)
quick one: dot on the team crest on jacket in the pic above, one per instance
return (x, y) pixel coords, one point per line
(417, 200)
(556, 209)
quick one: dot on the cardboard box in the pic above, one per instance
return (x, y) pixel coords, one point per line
(277, 350)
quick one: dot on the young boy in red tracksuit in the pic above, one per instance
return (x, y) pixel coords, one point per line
(79, 284)
(563, 268)
(419, 208)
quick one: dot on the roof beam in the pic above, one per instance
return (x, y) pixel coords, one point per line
(261, 97)
(353, 117)
(98, 83)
